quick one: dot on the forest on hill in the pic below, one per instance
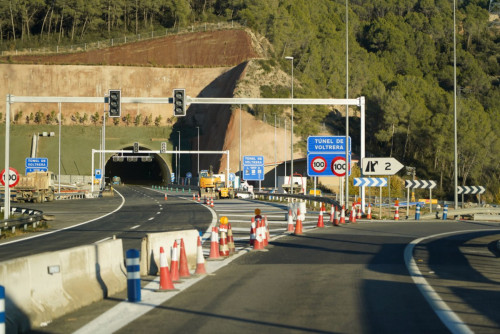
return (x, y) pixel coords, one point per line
(400, 59)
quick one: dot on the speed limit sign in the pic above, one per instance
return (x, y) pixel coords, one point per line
(13, 177)
(318, 164)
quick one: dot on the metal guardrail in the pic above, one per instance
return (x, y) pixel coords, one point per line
(29, 216)
(309, 198)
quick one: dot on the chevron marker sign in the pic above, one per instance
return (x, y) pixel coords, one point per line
(423, 184)
(370, 182)
(472, 190)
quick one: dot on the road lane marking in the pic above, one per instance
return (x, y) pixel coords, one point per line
(449, 318)
(134, 227)
(151, 218)
(102, 240)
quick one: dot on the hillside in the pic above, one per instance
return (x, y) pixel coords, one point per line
(203, 63)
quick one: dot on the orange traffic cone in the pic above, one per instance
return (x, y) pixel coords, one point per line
(290, 221)
(198, 196)
(352, 217)
(223, 248)
(358, 212)
(342, 215)
(166, 197)
(396, 214)
(165, 279)
(174, 264)
(200, 260)
(258, 243)
(265, 228)
(332, 214)
(230, 239)
(194, 197)
(214, 246)
(321, 223)
(369, 212)
(183, 263)
(298, 224)
(253, 232)
(211, 202)
(337, 218)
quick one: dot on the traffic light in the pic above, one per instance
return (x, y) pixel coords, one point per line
(136, 147)
(163, 148)
(115, 103)
(179, 102)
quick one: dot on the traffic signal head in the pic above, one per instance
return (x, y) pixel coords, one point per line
(115, 103)
(179, 102)
(163, 148)
(136, 147)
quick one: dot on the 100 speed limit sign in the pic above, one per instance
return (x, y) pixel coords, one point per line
(318, 164)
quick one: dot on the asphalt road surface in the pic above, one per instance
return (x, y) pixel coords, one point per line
(348, 279)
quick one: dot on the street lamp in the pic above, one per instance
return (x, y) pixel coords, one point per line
(291, 135)
(198, 154)
(455, 197)
(179, 163)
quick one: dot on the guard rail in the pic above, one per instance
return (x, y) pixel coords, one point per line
(29, 216)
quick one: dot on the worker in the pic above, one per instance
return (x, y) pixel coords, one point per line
(257, 214)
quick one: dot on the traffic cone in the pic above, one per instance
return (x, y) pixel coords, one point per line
(198, 196)
(396, 213)
(166, 197)
(253, 232)
(258, 243)
(321, 223)
(265, 227)
(200, 260)
(165, 279)
(342, 215)
(352, 217)
(211, 202)
(230, 239)
(223, 248)
(298, 224)
(174, 264)
(358, 211)
(183, 263)
(290, 221)
(337, 218)
(194, 197)
(332, 214)
(369, 213)
(214, 246)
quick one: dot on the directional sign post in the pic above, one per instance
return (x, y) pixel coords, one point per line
(372, 182)
(380, 166)
(422, 184)
(36, 165)
(472, 190)
(253, 168)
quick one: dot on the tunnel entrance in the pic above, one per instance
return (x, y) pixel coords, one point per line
(134, 168)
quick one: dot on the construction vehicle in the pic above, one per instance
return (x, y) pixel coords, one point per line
(208, 182)
(36, 187)
(222, 191)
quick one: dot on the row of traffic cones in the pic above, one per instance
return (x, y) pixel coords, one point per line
(179, 265)
(259, 233)
(226, 246)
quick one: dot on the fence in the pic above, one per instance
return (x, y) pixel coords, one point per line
(123, 40)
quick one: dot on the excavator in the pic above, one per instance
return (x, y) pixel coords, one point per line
(212, 185)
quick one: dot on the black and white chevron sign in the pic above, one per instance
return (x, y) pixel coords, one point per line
(423, 184)
(472, 190)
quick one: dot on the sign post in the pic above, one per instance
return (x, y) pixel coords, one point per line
(422, 184)
(253, 168)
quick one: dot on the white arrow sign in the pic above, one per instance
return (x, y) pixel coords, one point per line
(380, 166)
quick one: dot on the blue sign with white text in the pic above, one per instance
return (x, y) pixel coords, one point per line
(327, 144)
(253, 173)
(253, 160)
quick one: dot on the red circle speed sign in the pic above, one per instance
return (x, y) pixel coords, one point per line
(338, 166)
(318, 164)
(13, 177)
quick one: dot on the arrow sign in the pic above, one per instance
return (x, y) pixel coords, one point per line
(380, 166)
(472, 190)
(423, 184)
(370, 182)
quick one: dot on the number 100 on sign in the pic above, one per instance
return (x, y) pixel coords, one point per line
(326, 164)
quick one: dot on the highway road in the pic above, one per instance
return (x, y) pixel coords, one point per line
(348, 279)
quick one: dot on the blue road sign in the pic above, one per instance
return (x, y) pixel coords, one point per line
(253, 173)
(232, 177)
(189, 175)
(326, 164)
(98, 174)
(253, 160)
(370, 182)
(37, 165)
(327, 144)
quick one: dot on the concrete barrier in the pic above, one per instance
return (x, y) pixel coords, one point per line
(486, 217)
(150, 249)
(40, 288)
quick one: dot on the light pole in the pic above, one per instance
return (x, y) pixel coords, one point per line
(455, 104)
(291, 135)
(239, 167)
(347, 106)
(179, 163)
(198, 154)
(275, 153)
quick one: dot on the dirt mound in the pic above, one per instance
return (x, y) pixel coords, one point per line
(205, 49)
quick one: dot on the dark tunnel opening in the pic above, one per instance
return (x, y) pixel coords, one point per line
(132, 169)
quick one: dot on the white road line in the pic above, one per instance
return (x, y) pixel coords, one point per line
(134, 227)
(151, 218)
(97, 242)
(449, 318)
(158, 213)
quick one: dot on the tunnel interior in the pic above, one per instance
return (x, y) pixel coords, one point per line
(135, 168)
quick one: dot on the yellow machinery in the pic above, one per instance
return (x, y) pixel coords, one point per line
(222, 191)
(208, 182)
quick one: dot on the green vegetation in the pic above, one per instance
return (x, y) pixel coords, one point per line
(400, 59)
(77, 143)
